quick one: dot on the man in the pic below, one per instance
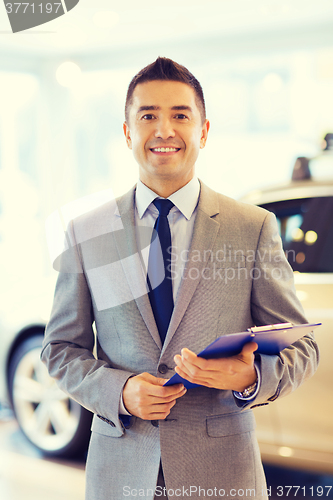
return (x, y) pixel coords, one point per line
(225, 272)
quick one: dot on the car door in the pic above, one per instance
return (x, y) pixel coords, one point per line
(299, 428)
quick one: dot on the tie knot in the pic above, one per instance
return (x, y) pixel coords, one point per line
(163, 206)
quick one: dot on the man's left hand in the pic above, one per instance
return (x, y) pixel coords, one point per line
(234, 373)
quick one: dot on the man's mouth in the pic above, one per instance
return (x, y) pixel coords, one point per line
(165, 150)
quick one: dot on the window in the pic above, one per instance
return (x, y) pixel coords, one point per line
(306, 228)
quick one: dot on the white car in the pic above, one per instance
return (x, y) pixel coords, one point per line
(52, 422)
(297, 430)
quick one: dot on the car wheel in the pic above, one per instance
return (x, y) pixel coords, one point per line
(52, 422)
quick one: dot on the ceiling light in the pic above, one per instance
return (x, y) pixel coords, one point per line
(311, 237)
(68, 74)
(300, 257)
(285, 451)
(297, 234)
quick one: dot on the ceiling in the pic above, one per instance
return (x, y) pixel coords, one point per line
(105, 26)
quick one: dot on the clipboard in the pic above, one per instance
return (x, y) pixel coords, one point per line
(271, 339)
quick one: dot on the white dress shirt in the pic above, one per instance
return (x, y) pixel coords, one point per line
(181, 221)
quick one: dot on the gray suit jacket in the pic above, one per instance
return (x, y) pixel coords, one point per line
(236, 276)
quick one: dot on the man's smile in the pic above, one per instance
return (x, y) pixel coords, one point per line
(165, 151)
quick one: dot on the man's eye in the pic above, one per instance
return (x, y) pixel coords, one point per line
(181, 116)
(147, 117)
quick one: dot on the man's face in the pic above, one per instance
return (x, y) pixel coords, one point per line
(165, 132)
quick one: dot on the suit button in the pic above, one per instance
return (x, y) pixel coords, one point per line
(163, 369)
(155, 423)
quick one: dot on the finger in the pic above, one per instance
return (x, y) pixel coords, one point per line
(247, 352)
(204, 379)
(191, 372)
(191, 364)
(181, 365)
(154, 386)
(167, 393)
(156, 411)
(171, 390)
(168, 390)
(181, 392)
(151, 379)
(188, 373)
(190, 357)
(187, 359)
(167, 398)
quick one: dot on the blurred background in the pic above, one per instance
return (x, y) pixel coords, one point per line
(266, 67)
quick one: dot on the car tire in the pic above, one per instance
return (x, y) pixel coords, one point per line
(51, 421)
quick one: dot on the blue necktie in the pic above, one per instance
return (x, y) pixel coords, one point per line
(159, 272)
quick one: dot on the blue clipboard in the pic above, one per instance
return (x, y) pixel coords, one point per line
(271, 339)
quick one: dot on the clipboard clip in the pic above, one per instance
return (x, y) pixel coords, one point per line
(278, 326)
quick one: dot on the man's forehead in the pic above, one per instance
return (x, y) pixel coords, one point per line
(163, 92)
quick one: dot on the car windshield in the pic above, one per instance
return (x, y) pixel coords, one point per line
(306, 228)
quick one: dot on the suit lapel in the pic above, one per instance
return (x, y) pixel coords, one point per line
(204, 234)
(136, 276)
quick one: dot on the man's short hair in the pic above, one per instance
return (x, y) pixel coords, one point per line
(166, 69)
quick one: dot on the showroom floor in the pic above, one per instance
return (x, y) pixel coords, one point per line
(24, 475)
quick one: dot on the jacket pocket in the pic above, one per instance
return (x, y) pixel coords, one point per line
(230, 424)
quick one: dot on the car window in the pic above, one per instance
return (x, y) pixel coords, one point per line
(306, 228)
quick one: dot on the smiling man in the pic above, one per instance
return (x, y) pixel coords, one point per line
(165, 127)
(151, 440)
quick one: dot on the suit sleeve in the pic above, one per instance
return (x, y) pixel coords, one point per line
(69, 344)
(274, 300)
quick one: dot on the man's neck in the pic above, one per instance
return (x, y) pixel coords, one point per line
(165, 188)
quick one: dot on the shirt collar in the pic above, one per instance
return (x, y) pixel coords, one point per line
(185, 199)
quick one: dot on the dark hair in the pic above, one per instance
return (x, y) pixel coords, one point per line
(166, 69)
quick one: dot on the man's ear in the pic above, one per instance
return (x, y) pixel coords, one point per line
(204, 133)
(127, 133)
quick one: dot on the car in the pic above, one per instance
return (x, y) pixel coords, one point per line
(297, 430)
(55, 424)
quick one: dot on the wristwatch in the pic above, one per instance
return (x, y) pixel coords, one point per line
(247, 393)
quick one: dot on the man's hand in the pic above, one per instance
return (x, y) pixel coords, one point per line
(144, 396)
(234, 373)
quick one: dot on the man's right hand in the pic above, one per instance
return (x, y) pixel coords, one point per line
(145, 397)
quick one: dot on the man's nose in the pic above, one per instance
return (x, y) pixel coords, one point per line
(164, 129)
